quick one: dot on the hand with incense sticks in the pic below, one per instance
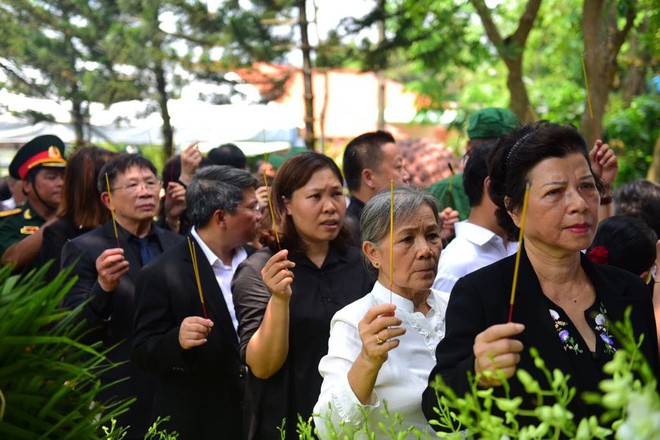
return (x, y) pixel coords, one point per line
(557, 300)
(111, 264)
(285, 299)
(106, 275)
(386, 334)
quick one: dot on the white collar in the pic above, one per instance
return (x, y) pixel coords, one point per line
(214, 260)
(474, 233)
(382, 295)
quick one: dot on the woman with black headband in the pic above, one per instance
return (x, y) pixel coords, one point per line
(564, 304)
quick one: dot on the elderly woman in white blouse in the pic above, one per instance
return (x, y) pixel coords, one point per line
(382, 347)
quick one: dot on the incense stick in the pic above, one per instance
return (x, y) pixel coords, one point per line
(391, 235)
(112, 208)
(270, 208)
(193, 256)
(451, 184)
(520, 245)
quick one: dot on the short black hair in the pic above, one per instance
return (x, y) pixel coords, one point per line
(476, 171)
(119, 164)
(639, 198)
(228, 154)
(514, 157)
(216, 187)
(630, 243)
(364, 152)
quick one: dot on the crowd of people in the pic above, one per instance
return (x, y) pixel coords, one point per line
(241, 302)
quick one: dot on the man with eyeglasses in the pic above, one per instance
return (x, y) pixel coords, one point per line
(107, 261)
(201, 375)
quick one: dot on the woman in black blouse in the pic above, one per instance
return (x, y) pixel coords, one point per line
(285, 299)
(564, 303)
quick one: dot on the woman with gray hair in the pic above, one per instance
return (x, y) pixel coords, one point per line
(382, 346)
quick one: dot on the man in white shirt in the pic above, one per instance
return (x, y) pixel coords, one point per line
(186, 327)
(479, 240)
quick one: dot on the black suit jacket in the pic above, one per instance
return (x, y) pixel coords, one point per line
(201, 389)
(55, 237)
(481, 299)
(111, 316)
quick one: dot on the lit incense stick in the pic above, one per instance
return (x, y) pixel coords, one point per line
(451, 184)
(112, 208)
(270, 207)
(520, 245)
(391, 235)
(193, 256)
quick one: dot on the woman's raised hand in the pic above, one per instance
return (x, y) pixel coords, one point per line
(378, 328)
(495, 350)
(277, 274)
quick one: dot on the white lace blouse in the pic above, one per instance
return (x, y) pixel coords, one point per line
(402, 378)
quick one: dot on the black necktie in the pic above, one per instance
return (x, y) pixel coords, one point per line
(146, 255)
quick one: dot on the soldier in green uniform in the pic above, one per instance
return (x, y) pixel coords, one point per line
(484, 126)
(39, 164)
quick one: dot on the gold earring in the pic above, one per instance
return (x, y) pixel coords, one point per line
(376, 265)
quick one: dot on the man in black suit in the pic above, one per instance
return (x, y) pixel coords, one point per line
(201, 376)
(107, 266)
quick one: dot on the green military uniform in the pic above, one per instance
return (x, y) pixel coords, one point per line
(45, 151)
(457, 199)
(16, 224)
(487, 123)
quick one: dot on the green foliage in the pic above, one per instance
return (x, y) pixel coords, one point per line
(630, 398)
(113, 432)
(631, 387)
(632, 132)
(48, 379)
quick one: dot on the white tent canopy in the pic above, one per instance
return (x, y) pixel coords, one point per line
(257, 129)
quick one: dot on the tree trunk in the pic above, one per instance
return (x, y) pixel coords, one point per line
(511, 50)
(167, 130)
(602, 43)
(519, 103)
(633, 83)
(78, 121)
(307, 77)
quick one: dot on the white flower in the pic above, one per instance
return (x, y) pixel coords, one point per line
(554, 314)
(600, 319)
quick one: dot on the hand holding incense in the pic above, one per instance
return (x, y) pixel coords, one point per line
(520, 245)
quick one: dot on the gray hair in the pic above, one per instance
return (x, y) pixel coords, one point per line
(375, 219)
(216, 187)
